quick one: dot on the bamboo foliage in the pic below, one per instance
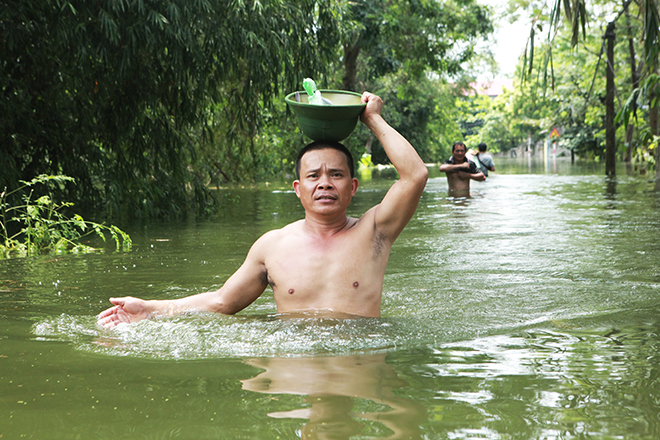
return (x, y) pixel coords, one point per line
(108, 91)
(644, 93)
(651, 33)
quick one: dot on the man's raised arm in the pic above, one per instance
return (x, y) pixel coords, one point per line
(400, 202)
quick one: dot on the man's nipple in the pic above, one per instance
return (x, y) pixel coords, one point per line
(291, 291)
(356, 284)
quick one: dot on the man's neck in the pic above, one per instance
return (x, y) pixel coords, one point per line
(325, 227)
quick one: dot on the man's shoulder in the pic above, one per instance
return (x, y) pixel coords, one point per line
(281, 233)
(486, 156)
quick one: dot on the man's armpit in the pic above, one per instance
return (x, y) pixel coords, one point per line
(378, 243)
(266, 279)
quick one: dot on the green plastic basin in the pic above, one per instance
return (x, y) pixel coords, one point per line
(327, 122)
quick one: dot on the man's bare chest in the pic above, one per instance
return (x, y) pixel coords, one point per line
(324, 264)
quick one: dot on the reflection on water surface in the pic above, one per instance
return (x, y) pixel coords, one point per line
(529, 310)
(341, 394)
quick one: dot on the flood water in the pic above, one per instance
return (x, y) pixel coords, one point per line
(529, 311)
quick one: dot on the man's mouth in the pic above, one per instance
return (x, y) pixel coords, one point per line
(326, 197)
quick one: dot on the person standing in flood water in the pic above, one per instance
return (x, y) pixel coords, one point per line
(486, 160)
(327, 262)
(460, 170)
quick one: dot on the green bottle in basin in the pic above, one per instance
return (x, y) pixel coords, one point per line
(314, 95)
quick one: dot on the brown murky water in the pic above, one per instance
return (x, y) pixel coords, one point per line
(527, 311)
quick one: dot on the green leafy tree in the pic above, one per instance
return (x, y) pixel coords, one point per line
(117, 93)
(498, 130)
(421, 110)
(579, 95)
(383, 37)
(642, 79)
(407, 52)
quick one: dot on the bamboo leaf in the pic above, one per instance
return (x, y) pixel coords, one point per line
(531, 51)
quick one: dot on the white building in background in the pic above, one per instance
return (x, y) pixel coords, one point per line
(492, 89)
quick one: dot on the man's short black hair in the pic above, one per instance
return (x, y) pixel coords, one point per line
(458, 144)
(322, 145)
(482, 147)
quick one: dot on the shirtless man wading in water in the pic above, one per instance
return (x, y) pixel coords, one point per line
(326, 262)
(460, 170)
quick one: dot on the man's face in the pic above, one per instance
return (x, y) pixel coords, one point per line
(459, 153)
(325, 184)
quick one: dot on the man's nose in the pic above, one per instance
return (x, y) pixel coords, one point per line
(325, 183)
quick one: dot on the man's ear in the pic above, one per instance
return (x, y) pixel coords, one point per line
(296, 187)
(354, 186)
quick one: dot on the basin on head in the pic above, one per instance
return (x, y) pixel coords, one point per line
(327, 122)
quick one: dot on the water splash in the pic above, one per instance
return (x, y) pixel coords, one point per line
(202, 336)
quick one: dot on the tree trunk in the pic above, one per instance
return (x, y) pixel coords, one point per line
(630, 131)
(653, 125)
(651, 58)
(350, 66)
(610, 129)
(657, 169)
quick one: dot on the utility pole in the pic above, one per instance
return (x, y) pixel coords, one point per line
(610, 129)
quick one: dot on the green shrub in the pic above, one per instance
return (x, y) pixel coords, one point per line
(42, 227)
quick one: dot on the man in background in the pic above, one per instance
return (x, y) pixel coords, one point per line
(460, 170)
(485, 160)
